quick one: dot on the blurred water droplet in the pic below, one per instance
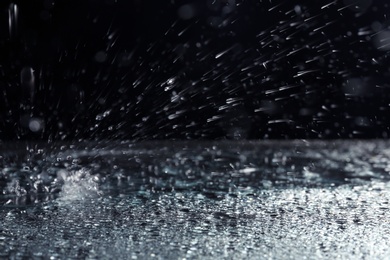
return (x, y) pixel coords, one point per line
(35, 124)
(27, 81)
(229, 7)
(382, 40)
(268, 107)
(13, 20)
(170, 83)
(100, 56)
(27, 76)
(362, 121)
(376, 26)
(355, 87)
(298, 9)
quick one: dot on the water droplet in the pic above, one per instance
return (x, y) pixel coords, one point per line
(13, 14)
(27, 76)
(298, 9)
(27, 81)
(35, 124)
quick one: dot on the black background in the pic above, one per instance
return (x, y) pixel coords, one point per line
(218, 69)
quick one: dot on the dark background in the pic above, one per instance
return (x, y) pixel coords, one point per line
(212, 69)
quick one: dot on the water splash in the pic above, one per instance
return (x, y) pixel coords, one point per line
(88, 170)
(14, 187)
(77, 185)
(191, 199)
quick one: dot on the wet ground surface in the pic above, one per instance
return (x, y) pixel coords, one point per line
(202, 200)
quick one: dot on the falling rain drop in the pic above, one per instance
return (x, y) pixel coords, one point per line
(13, 20)
(27, 81)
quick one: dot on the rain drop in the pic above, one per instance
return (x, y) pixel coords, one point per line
(13, 20)
(27, 81)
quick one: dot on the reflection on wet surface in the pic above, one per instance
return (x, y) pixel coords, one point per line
(282, 200)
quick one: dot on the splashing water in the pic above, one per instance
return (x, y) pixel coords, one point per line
(191, 199)
(77, 185)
